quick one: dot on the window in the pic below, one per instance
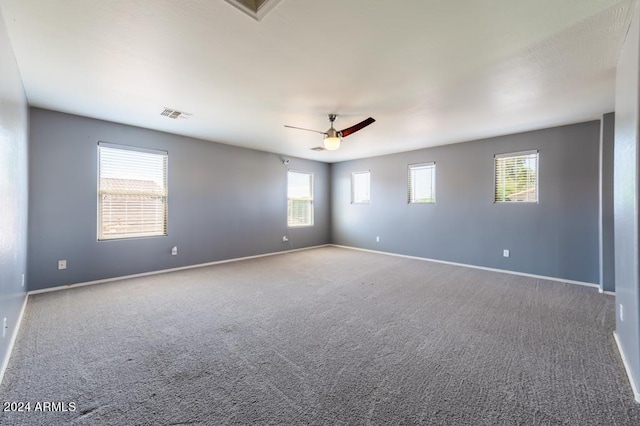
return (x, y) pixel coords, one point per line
(299, 199)
(422, 183)
(360, 182)
(132, 192)
(516, 177)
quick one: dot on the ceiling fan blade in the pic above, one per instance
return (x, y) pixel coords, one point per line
(308, 130)
(353, 129)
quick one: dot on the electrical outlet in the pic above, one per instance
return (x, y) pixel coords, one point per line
(285, 239)
(4, 327)
(174, 251)
(621, 312)
(505, 253)
(377, 239)
(62, 264)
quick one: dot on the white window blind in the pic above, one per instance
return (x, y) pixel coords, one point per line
(422, 183)
(299, 199)
(516, 177)
(132, 192)
(360, 187)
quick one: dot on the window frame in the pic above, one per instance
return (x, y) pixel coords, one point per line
(164, 194)
(310, 199)
(355, 200)
(536, 184)
(411, 181)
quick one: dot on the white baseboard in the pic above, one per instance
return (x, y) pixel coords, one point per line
(201, 265)
(634, 387)
(610, 293)
(14, 336)
(465, 265)
(163, 271)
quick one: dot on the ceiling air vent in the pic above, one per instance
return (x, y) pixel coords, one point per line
(172, 113)
(318, 148)
(257, 9)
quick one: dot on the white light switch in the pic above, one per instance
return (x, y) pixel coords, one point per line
(62, 264)
(505, 253)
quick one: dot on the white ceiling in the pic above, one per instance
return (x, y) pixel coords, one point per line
(431, 72)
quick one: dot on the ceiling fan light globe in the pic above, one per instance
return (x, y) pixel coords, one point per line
(331, 143)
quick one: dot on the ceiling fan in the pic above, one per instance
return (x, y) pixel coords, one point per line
(332, 137)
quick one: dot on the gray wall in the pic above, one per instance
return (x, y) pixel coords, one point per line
(224, 202)
(626, 197)
(607, 245)
(557, 237)
(13, 190)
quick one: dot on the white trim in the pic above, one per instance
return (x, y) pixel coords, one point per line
(634, 387)
(516, 154)
(600, 227)
(12, 342)
(609, 293)
(132, 148)
(465, 265)
(162, 271)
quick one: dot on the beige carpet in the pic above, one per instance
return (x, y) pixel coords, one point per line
(324, 336)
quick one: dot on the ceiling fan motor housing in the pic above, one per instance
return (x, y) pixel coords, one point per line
(332, 137)
(332, 132)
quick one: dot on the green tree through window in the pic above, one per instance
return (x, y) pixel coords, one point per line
(516, 177)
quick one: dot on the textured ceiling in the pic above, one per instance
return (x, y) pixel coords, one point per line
(431, 72)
